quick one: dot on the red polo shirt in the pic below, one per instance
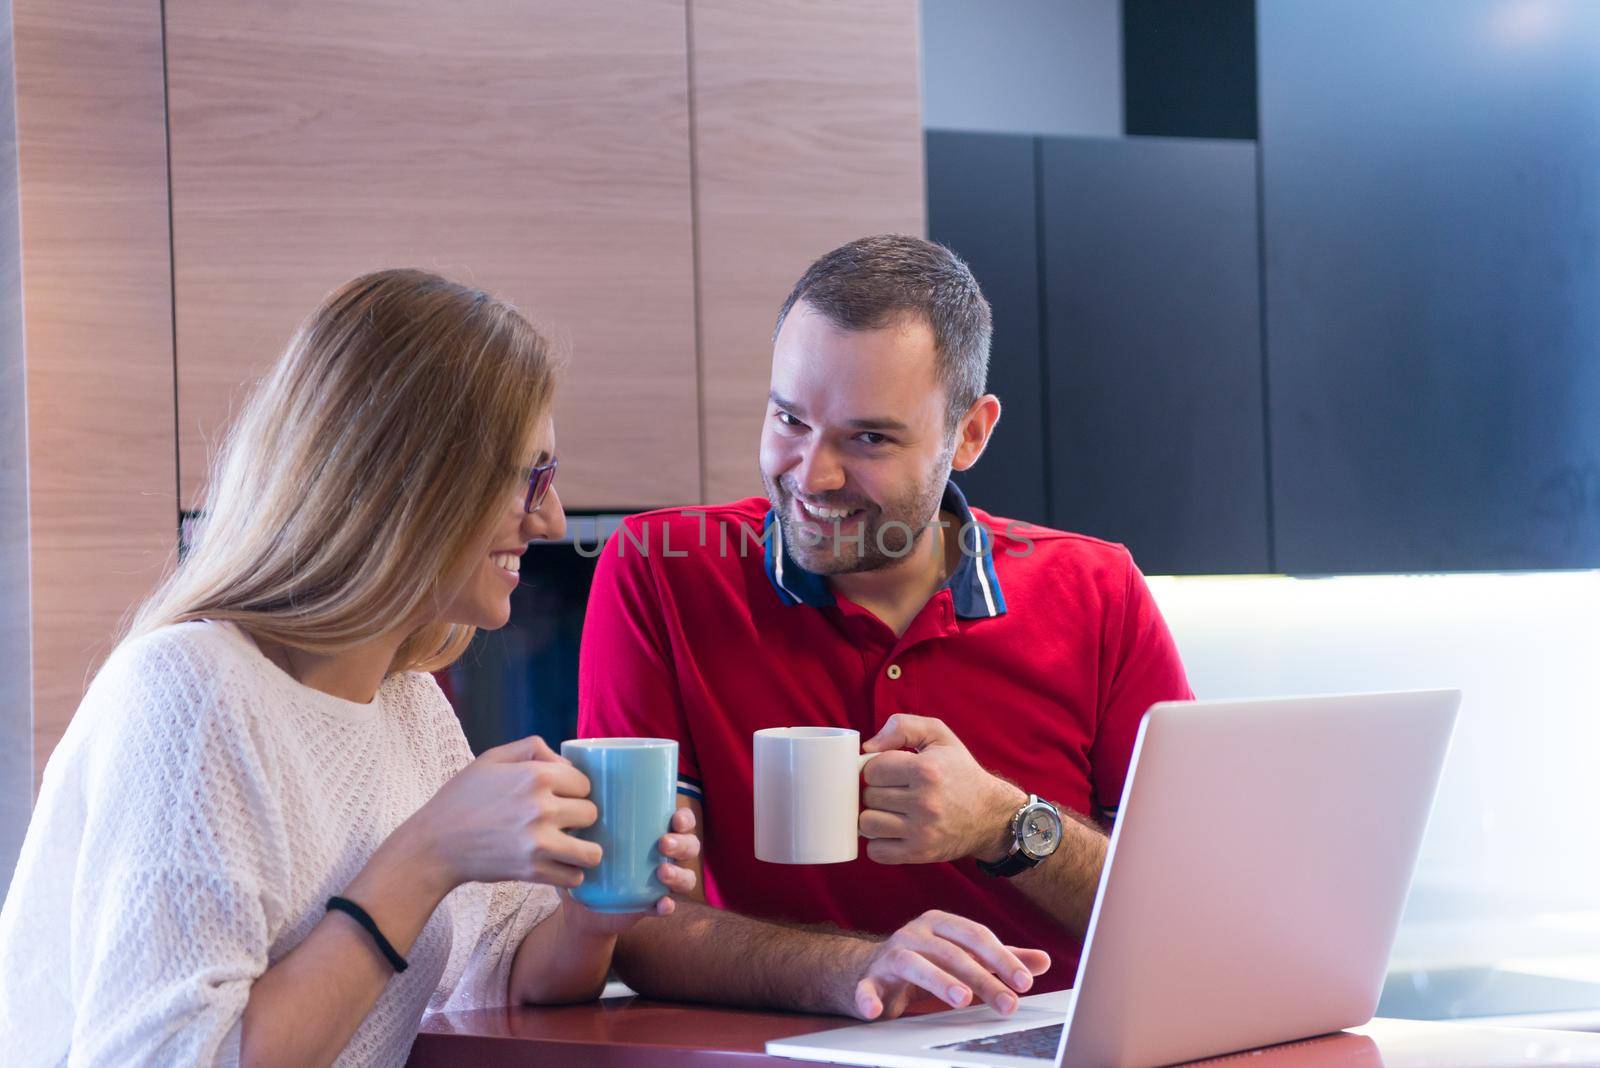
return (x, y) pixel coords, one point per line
(1042, 654)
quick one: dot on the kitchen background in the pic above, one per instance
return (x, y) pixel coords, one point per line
(1300, 299)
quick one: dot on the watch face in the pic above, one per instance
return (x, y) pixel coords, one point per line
(1041, 831)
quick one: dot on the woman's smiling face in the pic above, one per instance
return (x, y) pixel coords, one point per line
(483, 597)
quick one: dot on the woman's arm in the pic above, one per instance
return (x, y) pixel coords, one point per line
(503, 817)
(566, 958)
(305, 1008)
(559, 964)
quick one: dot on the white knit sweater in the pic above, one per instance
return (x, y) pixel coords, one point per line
(195, 818)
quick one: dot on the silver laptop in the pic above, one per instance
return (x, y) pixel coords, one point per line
(1251, 892)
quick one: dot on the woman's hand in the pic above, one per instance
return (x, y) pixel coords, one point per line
(681, 845)
(505, 816)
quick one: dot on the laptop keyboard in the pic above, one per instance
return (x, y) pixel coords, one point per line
(1040, 1042)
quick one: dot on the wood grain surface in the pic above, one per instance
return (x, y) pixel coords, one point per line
(538, 150)
(92, 180)
(808, 133)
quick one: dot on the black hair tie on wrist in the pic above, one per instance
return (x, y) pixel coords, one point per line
(359, 914)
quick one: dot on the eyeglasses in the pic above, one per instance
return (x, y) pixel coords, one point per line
(540, 478)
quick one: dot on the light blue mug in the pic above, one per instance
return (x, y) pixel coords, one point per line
(633, 782)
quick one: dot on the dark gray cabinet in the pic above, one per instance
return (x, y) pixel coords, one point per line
(981, 204)
(1153, 349)
(1124, 280)
(1369, 342)
(1432, 217)
(1189, 68)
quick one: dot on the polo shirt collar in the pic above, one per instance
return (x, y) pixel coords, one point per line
(974, 587)
(795, 585)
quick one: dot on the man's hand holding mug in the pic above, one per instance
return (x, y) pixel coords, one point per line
(934, 804)
(808, 800)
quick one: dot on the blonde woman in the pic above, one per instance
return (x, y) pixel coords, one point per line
(263, 838)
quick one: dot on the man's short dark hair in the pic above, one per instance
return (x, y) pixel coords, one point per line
(868, 283)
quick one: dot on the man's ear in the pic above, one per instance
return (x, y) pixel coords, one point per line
(972, 433)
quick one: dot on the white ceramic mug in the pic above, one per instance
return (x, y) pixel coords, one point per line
(808, 794)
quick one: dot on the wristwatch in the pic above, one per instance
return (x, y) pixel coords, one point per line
(1035, 834)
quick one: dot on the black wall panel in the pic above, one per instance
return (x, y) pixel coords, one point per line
(1432, 234)
(981, 200)
(1153, 349)
(1189, 68)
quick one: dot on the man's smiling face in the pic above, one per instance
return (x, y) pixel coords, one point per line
(854, 449)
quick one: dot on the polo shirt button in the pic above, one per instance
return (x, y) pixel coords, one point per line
(894, 671)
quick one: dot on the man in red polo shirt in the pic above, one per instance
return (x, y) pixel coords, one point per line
(1001, 669)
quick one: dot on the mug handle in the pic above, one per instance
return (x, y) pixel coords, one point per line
(863, 761)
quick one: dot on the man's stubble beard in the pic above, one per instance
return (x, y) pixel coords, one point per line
(878, 547)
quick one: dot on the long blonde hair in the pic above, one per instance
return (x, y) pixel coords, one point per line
(364, 467)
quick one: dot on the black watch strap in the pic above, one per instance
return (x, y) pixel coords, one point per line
(1014, 862)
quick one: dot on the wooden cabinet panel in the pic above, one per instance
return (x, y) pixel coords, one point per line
(537, 149)
(807, 134)
(92, 199)
(16, 623)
